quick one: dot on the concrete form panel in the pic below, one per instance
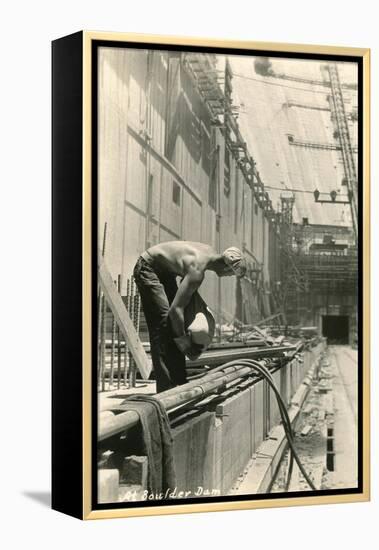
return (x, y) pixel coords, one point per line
(274, 409)
(191, 218)
(236, 436)
(134, 241)
(194, 453)
(258, 415)
(217, 454)
(136, 171)
(252, 420)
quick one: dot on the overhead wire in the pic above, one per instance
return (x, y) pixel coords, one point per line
(288, 189)
(280, 85)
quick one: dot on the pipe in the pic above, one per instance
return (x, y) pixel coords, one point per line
(216, 356)
(177, 396)
(211, 382)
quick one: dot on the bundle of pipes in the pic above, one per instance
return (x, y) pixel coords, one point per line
(180, 395)
(217, 357)
(256, 343)
(216, 380)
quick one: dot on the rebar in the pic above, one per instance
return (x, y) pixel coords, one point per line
(126, 354)
(132, 365)
(111, 374)
(118, 340)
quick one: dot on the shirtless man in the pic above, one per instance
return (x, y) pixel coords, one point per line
(164, 302)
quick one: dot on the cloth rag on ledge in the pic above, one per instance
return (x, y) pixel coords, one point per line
(157, 440)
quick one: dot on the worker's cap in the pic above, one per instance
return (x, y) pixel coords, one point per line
(234, 258)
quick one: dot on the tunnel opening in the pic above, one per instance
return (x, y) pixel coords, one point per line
(336, 328)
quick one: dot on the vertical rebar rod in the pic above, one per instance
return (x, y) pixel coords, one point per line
(118, 340)
(113, 344)
(99, 329)
(138, 312)
(102, 343)
(132, 366)
(136, 324)
(102, 253)
(101, 323)
(104, 239)
(126, 347)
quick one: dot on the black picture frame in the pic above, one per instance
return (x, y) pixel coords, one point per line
(75, 268)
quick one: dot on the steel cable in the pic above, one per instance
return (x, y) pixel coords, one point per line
(285, 420)
(265, 373)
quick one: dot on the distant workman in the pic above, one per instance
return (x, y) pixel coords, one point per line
(164, 302)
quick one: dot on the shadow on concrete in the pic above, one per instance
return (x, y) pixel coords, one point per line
(42, 497)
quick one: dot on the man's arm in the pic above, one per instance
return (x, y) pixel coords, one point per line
(187, 287)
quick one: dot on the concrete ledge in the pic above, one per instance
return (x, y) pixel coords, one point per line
(264, 464)
(214, 446)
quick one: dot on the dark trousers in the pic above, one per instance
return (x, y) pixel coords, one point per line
(157, 290)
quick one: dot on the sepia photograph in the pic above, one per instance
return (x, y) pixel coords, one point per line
(229, 232)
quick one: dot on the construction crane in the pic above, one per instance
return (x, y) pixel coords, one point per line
(338, 108)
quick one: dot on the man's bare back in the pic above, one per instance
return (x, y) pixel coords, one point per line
(181, 257)
(189, 260)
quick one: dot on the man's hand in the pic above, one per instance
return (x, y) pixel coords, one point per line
(190, 283)
(183, 343)
(195, 352)
(190, 349)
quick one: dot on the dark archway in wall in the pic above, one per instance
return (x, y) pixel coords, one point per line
(336, 328)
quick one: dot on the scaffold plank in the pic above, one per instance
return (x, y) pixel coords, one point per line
(117, 306)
